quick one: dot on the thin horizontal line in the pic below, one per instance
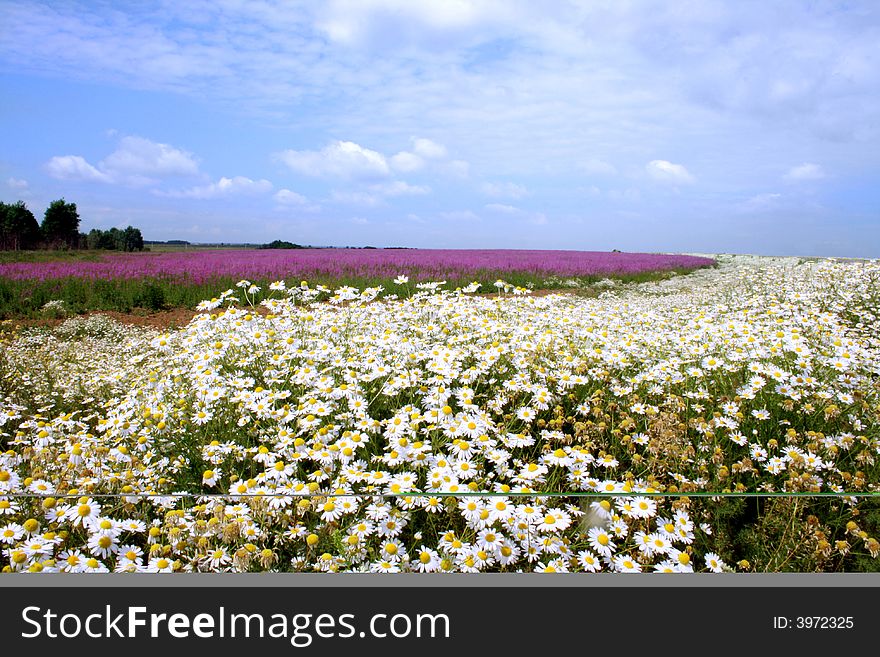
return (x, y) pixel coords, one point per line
(442, 494)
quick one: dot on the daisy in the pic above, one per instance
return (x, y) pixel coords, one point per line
(92, 565)
(331, 511)
(217, 559)
(71, 561)
(432, 504)
(623, 563)
(714, 562)
(159, 565)
(427, 560)
(555, 520)
(589, 561)
(392, 550)
(102, 545)
(85, 512)
(507, 554)
(11, 533)
(209, 477)
(600, 541)
(489, 539)
(391, 526)
(665, 566)
(385, 567)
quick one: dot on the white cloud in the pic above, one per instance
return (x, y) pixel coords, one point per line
(460, 215)
(339, 159)
(287, 197)
(400, 188)
(628, 194)
(430, 150)
(239, 185)
(406, 162)
(16, 183)
(138, 157)
(74, 167)
(357, 198)
(426, 22)
(375, 195)
(536, 218)
(526, 91)
(505, 209)
(805, 171)
(595, 167)
(136, 161)
(760, 202)
(422, 149)
(668, 172)
(504, 190)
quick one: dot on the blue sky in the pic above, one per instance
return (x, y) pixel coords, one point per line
(745, 127)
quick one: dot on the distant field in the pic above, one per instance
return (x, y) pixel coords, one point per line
(181, 276)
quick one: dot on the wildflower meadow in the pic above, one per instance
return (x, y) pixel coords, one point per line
(720, 420)
(94, 280)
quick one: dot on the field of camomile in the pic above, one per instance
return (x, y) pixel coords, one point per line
(724, 419)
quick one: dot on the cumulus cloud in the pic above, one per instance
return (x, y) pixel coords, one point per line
(239, 185)
(400, 188)
(74, 167)
(406, 162)
(667, 172)
(501, 207)
(503, 190)
(16, 183)
(339, 159)
(805, 171)
(430, 150)
(352, 197)
(423, 151)
(139, 157)
(426, 22)
(287, 197)
(375, 195)
(136, 161)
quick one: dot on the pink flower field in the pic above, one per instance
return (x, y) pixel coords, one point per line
(199, 266)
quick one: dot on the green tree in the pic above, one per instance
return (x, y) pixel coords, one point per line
(18, 227)
(114, 235)
(61, 225)
(132, 240)
(129, 239)
(100, 239)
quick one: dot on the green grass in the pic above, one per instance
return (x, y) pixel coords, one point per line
(26, 298)
(7, 257)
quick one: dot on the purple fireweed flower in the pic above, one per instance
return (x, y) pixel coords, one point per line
(200, 266)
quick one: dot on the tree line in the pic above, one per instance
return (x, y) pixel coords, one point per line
(59, 229)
